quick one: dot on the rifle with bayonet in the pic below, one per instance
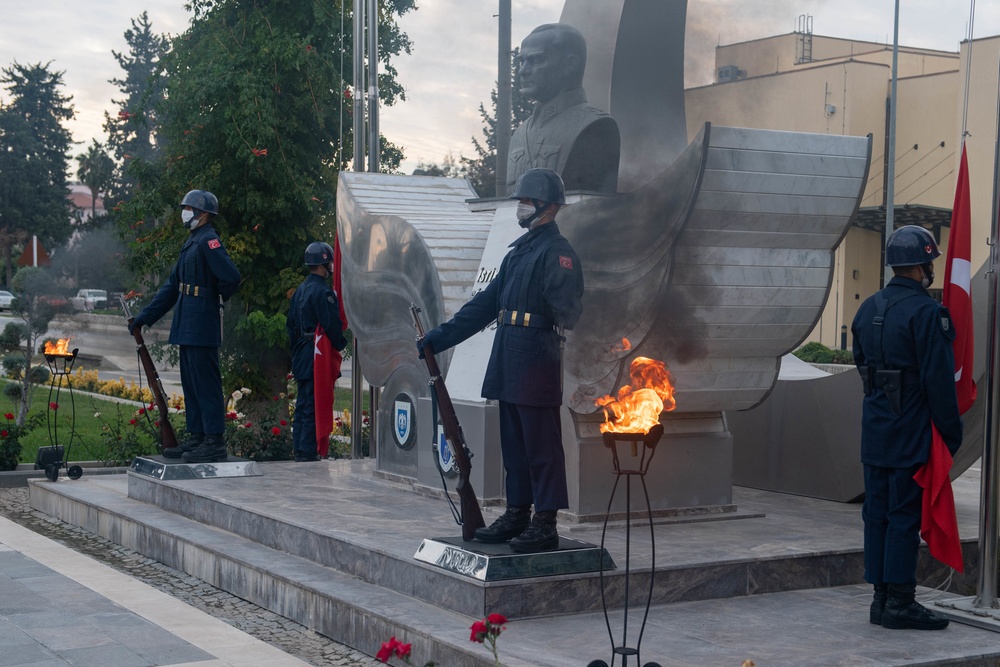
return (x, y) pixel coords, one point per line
(471, 516)
(168, 438)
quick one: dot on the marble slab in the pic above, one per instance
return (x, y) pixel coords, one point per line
(496, 562)
(160, 467)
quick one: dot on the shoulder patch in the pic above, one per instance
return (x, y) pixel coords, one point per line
(214, 243)
(565, 262)
(331, 299)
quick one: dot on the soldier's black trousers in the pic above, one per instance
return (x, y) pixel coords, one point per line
(891, 512)
(201, 380)
(531, 442)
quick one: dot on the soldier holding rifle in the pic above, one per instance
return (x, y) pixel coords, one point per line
(203, 277)
(537, 292)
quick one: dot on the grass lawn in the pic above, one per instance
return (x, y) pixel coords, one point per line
(87, 442)
(57, 426)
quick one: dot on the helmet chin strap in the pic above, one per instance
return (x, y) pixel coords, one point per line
(539, 209)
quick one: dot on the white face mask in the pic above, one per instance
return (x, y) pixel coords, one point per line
(525, 211)
(187, 217)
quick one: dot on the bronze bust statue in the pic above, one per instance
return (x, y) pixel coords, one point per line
(564, 133)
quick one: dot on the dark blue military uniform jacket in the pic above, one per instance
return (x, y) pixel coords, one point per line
(313, 303)
(203, 272)
(524, 366)
(917, 334)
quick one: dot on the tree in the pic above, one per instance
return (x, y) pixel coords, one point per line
(33, 164)
(95, 170)
(449, 167)
(20, 339)
(132, 129)
(482, 171)
(254, 97)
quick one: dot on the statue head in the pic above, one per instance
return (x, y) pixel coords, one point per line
(553, 58)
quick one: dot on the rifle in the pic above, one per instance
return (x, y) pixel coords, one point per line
(471, 516)
(167, 437)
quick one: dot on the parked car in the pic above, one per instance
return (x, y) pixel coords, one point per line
(89, 299)
(57, 302)
(6, 298)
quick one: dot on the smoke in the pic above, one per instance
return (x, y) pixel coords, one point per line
(714, 22)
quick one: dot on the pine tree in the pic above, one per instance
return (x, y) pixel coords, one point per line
(33, 164)
(482, 171)
(133, 126)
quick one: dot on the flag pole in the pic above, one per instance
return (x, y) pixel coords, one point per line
(890, 204)
(989, 492)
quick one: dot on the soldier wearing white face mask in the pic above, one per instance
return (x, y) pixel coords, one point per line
(203, 277)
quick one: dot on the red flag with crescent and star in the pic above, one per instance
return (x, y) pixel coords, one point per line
(939, 523)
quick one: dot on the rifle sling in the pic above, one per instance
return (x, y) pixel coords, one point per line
(455, 511)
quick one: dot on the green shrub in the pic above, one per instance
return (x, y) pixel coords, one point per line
(817, 353)
(10, 438)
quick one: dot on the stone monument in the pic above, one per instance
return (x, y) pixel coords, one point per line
(714, 256)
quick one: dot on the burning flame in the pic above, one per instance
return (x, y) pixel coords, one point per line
(638, 410)
(60, 348)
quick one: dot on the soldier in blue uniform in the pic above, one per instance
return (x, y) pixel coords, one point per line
(202, 279)
(313, 303)
(537, 292)
(902, 347)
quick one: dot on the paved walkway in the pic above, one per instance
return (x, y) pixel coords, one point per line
(61, 607)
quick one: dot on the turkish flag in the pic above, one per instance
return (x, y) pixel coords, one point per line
(326, 370)
(326, 366)
(939, 525)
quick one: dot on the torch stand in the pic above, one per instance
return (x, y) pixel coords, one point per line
(61, 366)
(648, 442)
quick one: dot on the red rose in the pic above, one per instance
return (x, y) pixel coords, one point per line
(248, 424)
(142, 411)
(496, 619)
(230, 415)
(403, 650)
(478, 631)
(131, 422)
(388, 648)
(3, 433)
(9, 415)
(276, 431)
(53, 406)
(283, 422)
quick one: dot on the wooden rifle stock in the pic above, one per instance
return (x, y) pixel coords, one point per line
(168, 438)
(472, 515)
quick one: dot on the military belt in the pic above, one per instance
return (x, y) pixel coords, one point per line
(192, 290)
(522, 319)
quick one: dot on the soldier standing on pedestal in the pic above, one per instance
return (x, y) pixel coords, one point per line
(202, 279)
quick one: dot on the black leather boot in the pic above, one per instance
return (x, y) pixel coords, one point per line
(902, 611)
(540, 535)
(192, 442)
(212, 450)
(878, 604)
(509, 524)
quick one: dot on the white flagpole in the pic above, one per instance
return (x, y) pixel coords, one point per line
(890, 167)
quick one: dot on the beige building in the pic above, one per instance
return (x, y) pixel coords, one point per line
(810, 83)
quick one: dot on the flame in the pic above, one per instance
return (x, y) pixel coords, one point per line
(60, 348)
(638, 410)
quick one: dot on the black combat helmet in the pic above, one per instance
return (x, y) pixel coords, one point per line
(910, 246)
(541, 184)
(201, 200)
(318, 254)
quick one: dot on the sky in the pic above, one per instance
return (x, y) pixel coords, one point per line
(452, 69)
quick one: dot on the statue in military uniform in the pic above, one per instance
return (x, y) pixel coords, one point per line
(564, 133)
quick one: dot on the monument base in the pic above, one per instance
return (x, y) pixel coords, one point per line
(964, 610)
(160, 467)
(496, 562)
